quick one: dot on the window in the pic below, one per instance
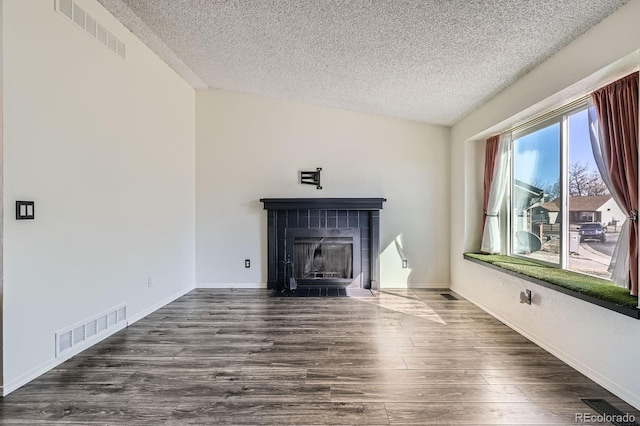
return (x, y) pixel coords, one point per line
(592, 210)
(535, 211)
(560, 211)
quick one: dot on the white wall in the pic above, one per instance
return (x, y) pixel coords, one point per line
(1, 189)
(600, 343)
(106, 149)
(250, 147)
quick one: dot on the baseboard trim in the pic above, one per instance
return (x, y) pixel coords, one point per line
(430, 286)
(52, 363)
(620, 392)
(163, 302)
(232, 285)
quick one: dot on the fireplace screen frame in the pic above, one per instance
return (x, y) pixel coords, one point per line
(353, 233)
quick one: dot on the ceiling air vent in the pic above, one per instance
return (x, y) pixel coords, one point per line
(78, 15)
(70, 10)
(102, 34)
(122, 49)
(112, 43)
(66, 8)
(91, 26)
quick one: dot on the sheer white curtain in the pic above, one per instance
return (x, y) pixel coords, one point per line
(491, 236)
(619, 266)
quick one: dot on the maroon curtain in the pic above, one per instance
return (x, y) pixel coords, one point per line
(617, 107)
(490, 161)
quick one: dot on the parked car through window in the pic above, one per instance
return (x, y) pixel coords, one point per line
(592, 231)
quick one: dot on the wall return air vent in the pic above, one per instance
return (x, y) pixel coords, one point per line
(78, 16)
(78, 336)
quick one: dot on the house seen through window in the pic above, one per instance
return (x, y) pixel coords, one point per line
(561, 212)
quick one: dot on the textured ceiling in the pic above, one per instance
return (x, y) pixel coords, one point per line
(426, 60)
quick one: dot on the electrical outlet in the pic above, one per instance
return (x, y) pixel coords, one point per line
(149, 282)
(525, 297)
(404, 263)
(247, 263)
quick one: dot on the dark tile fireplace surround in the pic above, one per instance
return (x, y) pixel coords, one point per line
(329, 242)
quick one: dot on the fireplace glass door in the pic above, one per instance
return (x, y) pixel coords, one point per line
(325, 256)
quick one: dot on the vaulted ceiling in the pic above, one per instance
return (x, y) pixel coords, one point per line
(431, 61)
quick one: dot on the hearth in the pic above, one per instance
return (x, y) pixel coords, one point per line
(323, 242)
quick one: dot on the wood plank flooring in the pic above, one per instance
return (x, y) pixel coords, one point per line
(239, 357)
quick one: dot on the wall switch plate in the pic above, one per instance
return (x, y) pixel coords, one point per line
(247, 263)
(25, 210)
(404, 263)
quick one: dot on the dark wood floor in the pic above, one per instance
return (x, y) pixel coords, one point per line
(241, 357)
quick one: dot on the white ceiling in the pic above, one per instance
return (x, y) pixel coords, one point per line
(432, 61)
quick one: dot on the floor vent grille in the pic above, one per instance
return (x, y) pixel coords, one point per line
(82, 333)
(448, 296)
(70, 10)
(611, 414)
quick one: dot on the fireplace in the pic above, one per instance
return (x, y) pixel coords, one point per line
(324, 256)
(326, 242)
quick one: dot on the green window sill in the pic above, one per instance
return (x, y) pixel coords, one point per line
(590, 289)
